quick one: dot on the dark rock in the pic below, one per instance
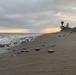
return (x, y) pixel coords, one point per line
(2, 45)
(74, 29)
(23, 42)
(22, 51)
(7, 45)
(27, 40)
(71, 32)
(24, 48)
(37, 49)
(63, 35)
(19, 53)
(8, 49)
(15, 42)
(51, 51)
(27, 51)
(43, 45)
(53, 45)
(14, 50)
(59, 36)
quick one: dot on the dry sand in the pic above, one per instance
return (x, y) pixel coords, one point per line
(24, 60)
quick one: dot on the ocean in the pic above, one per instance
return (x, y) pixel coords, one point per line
(8, 40)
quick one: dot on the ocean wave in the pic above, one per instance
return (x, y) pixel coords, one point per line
(10, 40)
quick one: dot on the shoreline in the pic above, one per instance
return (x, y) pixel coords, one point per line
(16, 42)
(32, 58)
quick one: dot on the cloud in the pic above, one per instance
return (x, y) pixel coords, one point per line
(14, 30)
(36, 15)
(49, 30)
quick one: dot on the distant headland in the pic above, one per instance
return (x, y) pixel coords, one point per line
(67, 28)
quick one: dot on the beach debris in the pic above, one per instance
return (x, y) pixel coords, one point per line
(74, 29)
(43, 45)
(37, 49)
(14, 55)
(53, 33)
(8, 49)
(63, 35)
(71, 32)
(2, 45)
(22, 51)
(53, 45)
(15, 42)
(27, 51)
(24, 48)
(59, 36)
(14, 50)
(23, 42)
(7, 45)
(50, 51)
(18, 52)
(27, 40)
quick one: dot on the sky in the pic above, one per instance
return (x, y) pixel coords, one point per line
(36, 16)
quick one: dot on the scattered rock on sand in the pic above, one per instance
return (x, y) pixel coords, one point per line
(27, 51)
(14, 50)
(51, 51)
(63, 35)
(14, 55)
(8, 49)
(23, 42)
(15, 42)
(7, 45)
(43, 45)
(2, 45)
(24, 48)
(19, 53)
(59, 36)
(71, 32)
(37, 49)
(53, 45)
(22, 51)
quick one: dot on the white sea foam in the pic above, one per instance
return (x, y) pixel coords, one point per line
(9, 40)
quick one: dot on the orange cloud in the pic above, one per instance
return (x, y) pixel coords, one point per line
(14, 30)
(50, 30)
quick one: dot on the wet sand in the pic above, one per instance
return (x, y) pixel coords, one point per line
(26, 60)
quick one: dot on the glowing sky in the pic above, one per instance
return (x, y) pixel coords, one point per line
(36, 16)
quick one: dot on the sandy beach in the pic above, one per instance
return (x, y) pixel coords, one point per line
(26, 60)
